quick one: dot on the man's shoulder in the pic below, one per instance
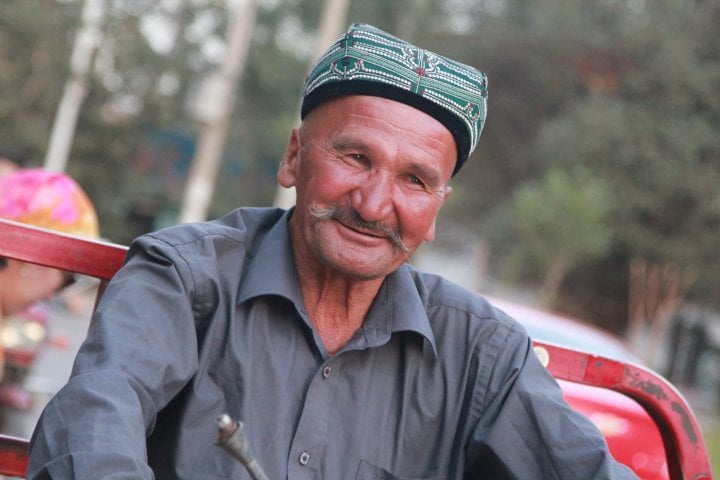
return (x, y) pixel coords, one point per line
(238, 226)
(466, 324)
(207, 253)
(446, 299)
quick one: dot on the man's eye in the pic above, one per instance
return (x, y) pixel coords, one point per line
(357, 158)
(414, 180)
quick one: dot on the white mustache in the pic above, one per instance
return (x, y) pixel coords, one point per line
(351, 218)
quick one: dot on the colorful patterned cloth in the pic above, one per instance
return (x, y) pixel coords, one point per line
(368, 61)
(47, 199)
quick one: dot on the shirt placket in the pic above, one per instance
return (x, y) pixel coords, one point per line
(309, 444)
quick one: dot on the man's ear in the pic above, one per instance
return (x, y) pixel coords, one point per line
(287, 173)
(430, 235)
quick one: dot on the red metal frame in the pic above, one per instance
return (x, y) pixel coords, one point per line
(687, 455)
(14, 453)
(65, 252)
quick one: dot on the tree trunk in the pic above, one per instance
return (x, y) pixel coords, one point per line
(552, 281)
(86, 42)
(656, 290)
(216, 111)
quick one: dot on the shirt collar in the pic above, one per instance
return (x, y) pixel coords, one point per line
(271, 270)
(400, 301)
(398, 307)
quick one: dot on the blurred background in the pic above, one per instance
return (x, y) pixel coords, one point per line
(593, 191)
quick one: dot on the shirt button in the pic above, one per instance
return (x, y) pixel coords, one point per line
(326, 372)
(304, 458)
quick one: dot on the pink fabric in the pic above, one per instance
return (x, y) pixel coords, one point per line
(47, 199)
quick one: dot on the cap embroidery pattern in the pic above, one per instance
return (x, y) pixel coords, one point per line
(366, 53)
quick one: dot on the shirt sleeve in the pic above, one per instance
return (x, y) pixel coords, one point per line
(528, 431)
(140, 351)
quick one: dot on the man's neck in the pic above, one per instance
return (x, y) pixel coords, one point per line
(337, 306)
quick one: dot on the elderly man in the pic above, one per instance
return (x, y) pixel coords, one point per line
(341, 359)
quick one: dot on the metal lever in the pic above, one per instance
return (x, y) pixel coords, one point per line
(233, 440)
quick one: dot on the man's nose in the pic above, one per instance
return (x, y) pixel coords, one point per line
(373, 198)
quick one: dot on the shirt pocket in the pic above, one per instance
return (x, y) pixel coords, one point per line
(368, 471)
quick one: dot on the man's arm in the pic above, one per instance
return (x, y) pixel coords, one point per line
(140, 351)
(528, 431)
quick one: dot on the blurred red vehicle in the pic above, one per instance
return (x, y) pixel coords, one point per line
(632, 436)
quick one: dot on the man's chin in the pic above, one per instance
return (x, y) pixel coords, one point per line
(365, 267)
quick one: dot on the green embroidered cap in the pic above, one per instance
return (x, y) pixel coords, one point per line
(368, 61)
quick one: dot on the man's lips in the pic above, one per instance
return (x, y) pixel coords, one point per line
(362, 231)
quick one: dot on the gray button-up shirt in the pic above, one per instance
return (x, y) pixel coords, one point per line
(208, 318)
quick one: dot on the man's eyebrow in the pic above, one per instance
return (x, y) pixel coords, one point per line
(348, 143)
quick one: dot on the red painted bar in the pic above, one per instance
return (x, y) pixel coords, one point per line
(687, 454)
(57, 250)
(13, 456)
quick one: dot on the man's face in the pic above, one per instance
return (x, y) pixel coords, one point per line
(26, 283)
(371, 175)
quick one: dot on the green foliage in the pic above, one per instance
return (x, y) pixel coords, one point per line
(31, 87)
(565, 211)
(654, 138)
(558, 222)
(665, 190)
(633, 104)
